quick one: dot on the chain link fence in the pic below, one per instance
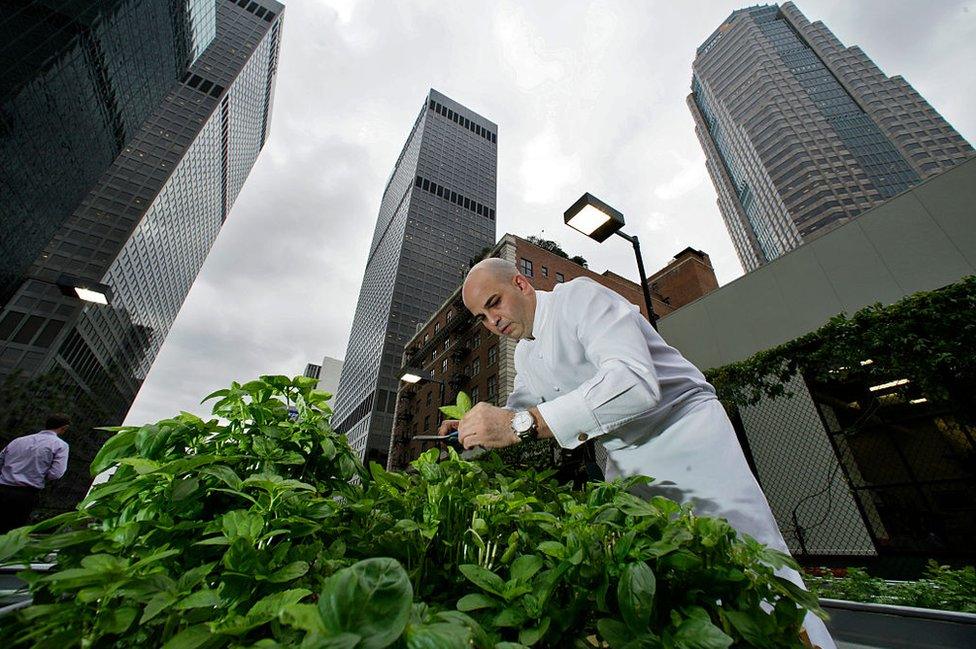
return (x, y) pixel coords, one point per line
(862, 474)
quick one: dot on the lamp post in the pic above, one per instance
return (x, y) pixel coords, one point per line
(598, 221)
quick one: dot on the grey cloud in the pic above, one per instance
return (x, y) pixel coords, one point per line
(609, 79)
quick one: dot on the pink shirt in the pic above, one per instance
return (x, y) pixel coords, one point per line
(31, 460)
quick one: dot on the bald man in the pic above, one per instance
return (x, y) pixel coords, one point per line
(590, 366)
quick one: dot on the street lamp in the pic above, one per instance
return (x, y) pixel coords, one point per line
(597, 220)
(416, 375)
(82, 289)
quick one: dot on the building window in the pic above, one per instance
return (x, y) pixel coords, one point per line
(444, 366)
(527, 267)
(437, 327)
(545, 271)
(476, 367)
(426, 338)
(493, 354)
(430, 396)
(492, 387)
(426, 423)
(560, 278)
(433, 353)
(474, 394)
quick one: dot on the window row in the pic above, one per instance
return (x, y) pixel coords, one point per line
(463, 121)
(459, 200)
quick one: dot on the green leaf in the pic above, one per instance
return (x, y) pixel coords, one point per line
(614, 632)
(116, 620)
(483, 578)
(510, 617)
(700, 633)
(290, 572)
(554, 549)
(190, 638)
(159, 603)
(303, 616)
(750, 627)
(13, 542)
(526, 566)
(201, 599)
(635, 595)
(804, 598)
(117, 446)
(225, 473)
(531, 635)
(271, 606)
(215, 394)
(141, 465)
(241, 523)
(183, 489)
(371, 598)
(452, 412)
(463, 402)
(440, 635)
(475, 601)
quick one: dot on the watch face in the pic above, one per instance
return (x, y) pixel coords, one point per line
(522, 421)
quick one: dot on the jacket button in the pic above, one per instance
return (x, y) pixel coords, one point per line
(583, 437)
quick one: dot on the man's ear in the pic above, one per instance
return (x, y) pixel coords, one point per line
(521, 282)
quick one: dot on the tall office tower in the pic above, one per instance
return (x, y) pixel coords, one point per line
(437, 213)
(145, 226)
(802, 134)
(79, 79)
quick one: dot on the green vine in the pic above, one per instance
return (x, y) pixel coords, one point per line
(927, 338)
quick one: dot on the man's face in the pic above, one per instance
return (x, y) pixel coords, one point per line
(505, 307)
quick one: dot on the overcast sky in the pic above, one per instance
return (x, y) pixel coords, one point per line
(588, 96)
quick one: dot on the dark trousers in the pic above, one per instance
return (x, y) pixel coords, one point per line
(16, 505)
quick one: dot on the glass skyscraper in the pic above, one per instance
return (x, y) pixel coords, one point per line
(146, 223)
(802, 134)
(79, 79)
(437, 213)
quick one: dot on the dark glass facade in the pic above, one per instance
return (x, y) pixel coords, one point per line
(79, 79)
(147, 225)
(437, 212)
(802, 134)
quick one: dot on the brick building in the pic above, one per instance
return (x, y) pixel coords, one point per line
(461, 355)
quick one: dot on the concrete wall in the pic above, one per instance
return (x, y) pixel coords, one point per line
(920, 240)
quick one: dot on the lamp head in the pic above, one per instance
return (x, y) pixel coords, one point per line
(413, 375)
(593, 217)
(86, 290)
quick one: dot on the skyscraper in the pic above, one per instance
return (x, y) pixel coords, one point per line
(79, 79)
(802, 134)
(146, 224)
(437, 213)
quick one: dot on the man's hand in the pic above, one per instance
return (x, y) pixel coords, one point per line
(487, 426)
(447, 427)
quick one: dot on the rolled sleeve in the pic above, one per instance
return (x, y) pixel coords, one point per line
(59, 463)
(625, 385)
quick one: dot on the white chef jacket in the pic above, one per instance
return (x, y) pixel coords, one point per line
(596, 368)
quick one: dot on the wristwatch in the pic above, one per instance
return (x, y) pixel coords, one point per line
(523, 425)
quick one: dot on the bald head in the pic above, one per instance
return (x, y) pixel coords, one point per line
(499, 270)
(500, 297)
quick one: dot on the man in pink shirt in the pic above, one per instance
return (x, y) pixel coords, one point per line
(26, 465)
